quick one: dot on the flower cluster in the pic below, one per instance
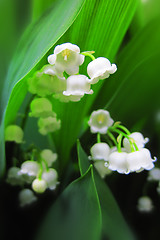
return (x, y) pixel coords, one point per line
(126, 152)
(61, 78)
(38, 173)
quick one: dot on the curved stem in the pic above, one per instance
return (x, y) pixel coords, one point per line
(113, 138)
(89, 54)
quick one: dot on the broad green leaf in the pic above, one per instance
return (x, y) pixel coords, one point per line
(113, 224)
(76, 213)
(39, 7)
(82, 159)
(35, 43)
(134, 93)
(100, 26)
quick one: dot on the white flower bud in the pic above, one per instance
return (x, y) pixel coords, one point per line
(39, 185)
(67, 58)
(145, 204)
(101, 168)
(100, 151)
(50, 177)
(48, 156)
(14, 133)
(41, 107)
(77, 86)
(99, 121)
(14, 178)
(100, 68)
(154, 174)
(117, 162)
(47, 125)
(26, 197)
(31, 168)
(138, 139)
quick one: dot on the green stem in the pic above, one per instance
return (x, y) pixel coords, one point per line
(119, 140)
(98, 138)
(88, 54)
(124, 129)
(113, 138)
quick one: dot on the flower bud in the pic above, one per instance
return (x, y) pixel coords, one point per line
(39, 185)
(41, 107)
(26, 197)
(48, 156)
(47, 125)
(50, 177)
(14, 133)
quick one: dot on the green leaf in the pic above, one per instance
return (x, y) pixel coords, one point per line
(39, 7)
(100, 26)
(113, 224)
(134, 93)
(35, 43)
(76, 213)
(82, 159)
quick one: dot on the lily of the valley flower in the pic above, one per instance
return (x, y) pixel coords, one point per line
(101, 168)
(99, 121)
(117, 162)
(46, 82)
(138, 138)
(30, 168)
(145, 204)
(48, 156)
(100, 68)
(39, 185)
(49, 124)
(66, 58)
(100, 151)
(14, 133)
(26, 197)
(154, 174)
(51, 178)
(41, 107)
(77, 86)
(14, 178)
(140, 160)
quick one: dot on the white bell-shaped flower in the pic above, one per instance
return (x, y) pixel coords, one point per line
(100, 121)
(100, 68)
(51, 178)
(26, 197)
(77, 86)
(140, 160)
(117, 162)
(41, 107)
(66, 58)
(30, 168)
(100, 151)
(101, 168)
(48, 156)
(46, 82)
(154, 174)
(39, 185)
(14, 178)
(47, 125)
(138, 139)
(145, 204)
(14, 133)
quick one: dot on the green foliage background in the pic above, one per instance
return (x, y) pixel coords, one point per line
(126, 32)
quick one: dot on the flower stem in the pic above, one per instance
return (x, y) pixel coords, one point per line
(98, 138)
(89, 54)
